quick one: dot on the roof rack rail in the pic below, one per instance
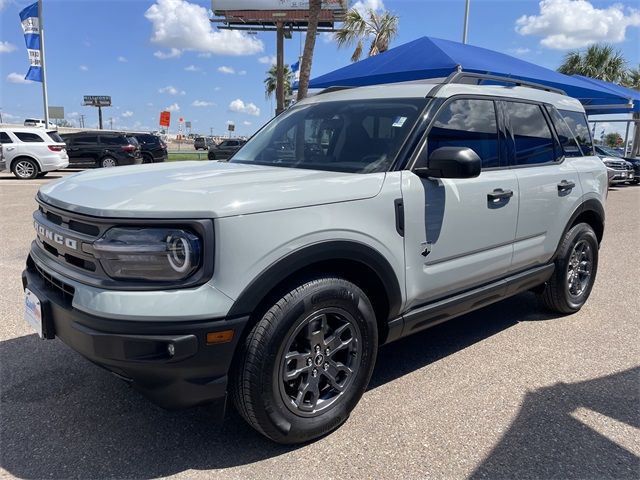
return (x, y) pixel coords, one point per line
(333, 89)
(457, 77)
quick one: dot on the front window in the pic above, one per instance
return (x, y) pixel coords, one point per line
(356, 136)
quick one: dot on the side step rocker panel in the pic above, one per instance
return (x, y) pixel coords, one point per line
(442, 310)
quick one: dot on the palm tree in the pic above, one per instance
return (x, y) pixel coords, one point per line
(381, 29)
(271, 81)
(597, 61)
(632, 78)
(309, 44)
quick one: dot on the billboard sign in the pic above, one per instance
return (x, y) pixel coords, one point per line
(97, 100)
(57, 113)
(235, 5)
(165, 119)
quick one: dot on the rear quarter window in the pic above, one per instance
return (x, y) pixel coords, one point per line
(55, 137)
(113, 140)
(577, 122)
(5, 138)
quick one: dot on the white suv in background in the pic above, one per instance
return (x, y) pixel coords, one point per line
(32, 152)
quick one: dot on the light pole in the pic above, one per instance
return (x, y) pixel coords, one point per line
(466, 21)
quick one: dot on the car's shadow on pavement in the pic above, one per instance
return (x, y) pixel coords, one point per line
(64, 418)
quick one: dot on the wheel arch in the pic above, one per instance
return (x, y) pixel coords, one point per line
(590, 212)
(23, 156)
(353, 261)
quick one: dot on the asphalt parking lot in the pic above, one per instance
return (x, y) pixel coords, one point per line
(509, 391)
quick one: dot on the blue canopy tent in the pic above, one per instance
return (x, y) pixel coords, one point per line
(429, 57)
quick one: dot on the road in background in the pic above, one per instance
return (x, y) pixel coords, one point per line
(509, 391)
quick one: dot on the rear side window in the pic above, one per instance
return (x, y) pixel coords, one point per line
(565, 135)
(111, 140)
(28, 137)
(468, 123)
(577, 122)
(55, 137)
(5, 138)
(147, 139)
(86, 140)
(534, 143)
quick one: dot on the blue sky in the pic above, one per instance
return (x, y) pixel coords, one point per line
(119, 48)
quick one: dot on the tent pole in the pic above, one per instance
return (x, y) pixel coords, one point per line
(466, 22)
(626, 138)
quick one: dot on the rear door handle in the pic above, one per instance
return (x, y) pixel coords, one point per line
(565, 186)
(499, 194)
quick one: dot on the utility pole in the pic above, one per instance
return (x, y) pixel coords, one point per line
(466, 21)
(111, 123)
(82, 121)
(100, 117)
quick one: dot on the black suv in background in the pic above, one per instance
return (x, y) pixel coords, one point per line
(153, 149)
(226, 149)
(102, 149)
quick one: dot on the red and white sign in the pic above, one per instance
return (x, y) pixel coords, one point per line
(165, 119)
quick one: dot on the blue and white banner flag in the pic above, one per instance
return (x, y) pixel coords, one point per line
(295, 68)
(31, 28)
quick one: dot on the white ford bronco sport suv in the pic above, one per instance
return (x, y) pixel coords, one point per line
(355, 218)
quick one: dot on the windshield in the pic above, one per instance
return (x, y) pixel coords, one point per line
(610, 152)
(356, 136)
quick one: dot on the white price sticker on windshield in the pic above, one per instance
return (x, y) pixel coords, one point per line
(399, 122)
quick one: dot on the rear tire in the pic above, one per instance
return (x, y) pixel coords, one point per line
(25, 169)
(108, 162)
(146, 158)
(305, 365)
(576, 266)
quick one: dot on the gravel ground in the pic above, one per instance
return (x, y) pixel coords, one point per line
(509, 391)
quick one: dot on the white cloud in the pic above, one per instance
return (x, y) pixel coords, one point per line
(172, 53)
(192, 68)
(185, 26)
(520, 51)
(226, 70)
(239, 106)
(170, 90)
(268, 60)
(17, 78)
(127, 114)
(204, 55)
(364, 5)
(6, 47)
(242, 72)
(564, 24)
(247, 124)
(84, 68)
(150, 104)
(174, 107)
(73, 114)
(122, 59)
(3, 3)
(202, 103)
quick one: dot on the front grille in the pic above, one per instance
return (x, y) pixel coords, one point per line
(67, 238)
(62, 289)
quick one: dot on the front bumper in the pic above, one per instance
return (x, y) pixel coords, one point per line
(138, 351)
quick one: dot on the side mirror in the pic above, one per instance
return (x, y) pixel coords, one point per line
(451, 162)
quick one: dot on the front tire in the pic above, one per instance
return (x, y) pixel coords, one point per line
(576, 267)
(211, 156)
(305, 365)
(25, 169)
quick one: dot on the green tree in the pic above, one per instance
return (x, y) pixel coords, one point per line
(632, 78)
(271, 81)
(599, 61)
(378, 28)
(309, 44)
(612, 139)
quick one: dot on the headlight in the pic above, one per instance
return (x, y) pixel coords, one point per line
(151, 254)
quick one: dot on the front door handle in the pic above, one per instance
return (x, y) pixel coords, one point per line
(565, 186)
(499, 194)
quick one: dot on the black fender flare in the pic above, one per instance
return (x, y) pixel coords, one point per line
(316, 253)
(590, 205)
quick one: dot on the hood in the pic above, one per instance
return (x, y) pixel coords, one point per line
(203, 190)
